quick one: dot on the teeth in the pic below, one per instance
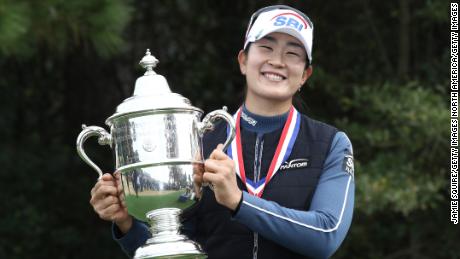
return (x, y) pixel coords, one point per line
(273, 77)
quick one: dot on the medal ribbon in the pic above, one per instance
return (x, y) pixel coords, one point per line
(283, 150)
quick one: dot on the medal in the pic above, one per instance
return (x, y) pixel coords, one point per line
(282, 152)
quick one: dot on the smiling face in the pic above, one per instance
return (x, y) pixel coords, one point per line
(275, 69)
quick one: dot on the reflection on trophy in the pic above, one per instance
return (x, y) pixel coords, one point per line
(156, 136)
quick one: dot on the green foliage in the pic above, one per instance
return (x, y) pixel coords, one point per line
(62, 26)
(400, 136)
(43, 215)
(400, 140)
(433, 11)
(14, 24)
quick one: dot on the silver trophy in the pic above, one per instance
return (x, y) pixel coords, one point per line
(156, 136)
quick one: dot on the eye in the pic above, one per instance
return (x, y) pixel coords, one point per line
(266, 47)
(293, 54)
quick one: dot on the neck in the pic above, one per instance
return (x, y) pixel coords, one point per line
(261, 124)
(266, 107)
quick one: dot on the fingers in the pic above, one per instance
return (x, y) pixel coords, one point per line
(219, 153)
(104, 190)
(107, 198)
(217, 170)
(213, 165)
(106, 180)
(110, 212)
(218, 161)
(209, 177)
(118, 183)
(105, 202)
(100, 203)
(104, 193)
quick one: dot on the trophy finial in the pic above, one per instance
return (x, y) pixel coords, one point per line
(149, 62)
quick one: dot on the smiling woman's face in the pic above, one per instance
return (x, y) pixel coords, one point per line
(274, 67)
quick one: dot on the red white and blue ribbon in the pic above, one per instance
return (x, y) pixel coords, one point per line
(282, 152)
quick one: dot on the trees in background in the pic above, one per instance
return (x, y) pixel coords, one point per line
(380, 74)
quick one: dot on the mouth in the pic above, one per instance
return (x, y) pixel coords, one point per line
(273, 76)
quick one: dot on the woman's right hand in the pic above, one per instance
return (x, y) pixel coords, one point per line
(108, 202)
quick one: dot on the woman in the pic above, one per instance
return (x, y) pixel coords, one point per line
(285, 187)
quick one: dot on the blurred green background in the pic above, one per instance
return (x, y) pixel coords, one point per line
(381, 74)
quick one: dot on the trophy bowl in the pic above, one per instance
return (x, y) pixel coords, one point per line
(156, 136)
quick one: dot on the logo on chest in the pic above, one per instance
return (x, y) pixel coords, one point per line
(248, 119)
(295, 163)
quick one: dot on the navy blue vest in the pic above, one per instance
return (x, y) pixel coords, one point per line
(293, 188)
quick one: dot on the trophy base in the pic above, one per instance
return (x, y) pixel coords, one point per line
(166, 242)
(184, 249)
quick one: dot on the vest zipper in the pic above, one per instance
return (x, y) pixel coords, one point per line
(256, 155)
(259, 147)
(256, 245)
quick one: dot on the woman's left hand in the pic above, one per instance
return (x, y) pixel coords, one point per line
(220, 172)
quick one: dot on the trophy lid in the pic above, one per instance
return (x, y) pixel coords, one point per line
(151, 93)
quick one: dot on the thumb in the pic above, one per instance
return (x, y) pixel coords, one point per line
(220, 147)
(218, 153)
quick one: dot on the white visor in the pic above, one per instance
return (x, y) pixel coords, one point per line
(285, 21)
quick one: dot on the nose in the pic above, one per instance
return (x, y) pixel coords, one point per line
(276, 59)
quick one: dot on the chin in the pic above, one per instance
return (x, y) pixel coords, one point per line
(277, 97)
(271, 93)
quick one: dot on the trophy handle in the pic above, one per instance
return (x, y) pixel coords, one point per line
(104, 139)
(208, 124)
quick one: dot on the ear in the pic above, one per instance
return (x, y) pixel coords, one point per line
(307, 73)
(242, 61)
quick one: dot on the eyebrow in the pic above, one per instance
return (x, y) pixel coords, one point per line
(290, 43)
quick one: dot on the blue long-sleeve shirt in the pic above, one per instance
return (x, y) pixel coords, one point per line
(319, 231)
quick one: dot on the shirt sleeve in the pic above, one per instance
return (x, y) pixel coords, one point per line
(319, 231)
(134, 238)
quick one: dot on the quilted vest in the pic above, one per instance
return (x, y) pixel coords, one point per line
(222, 237)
